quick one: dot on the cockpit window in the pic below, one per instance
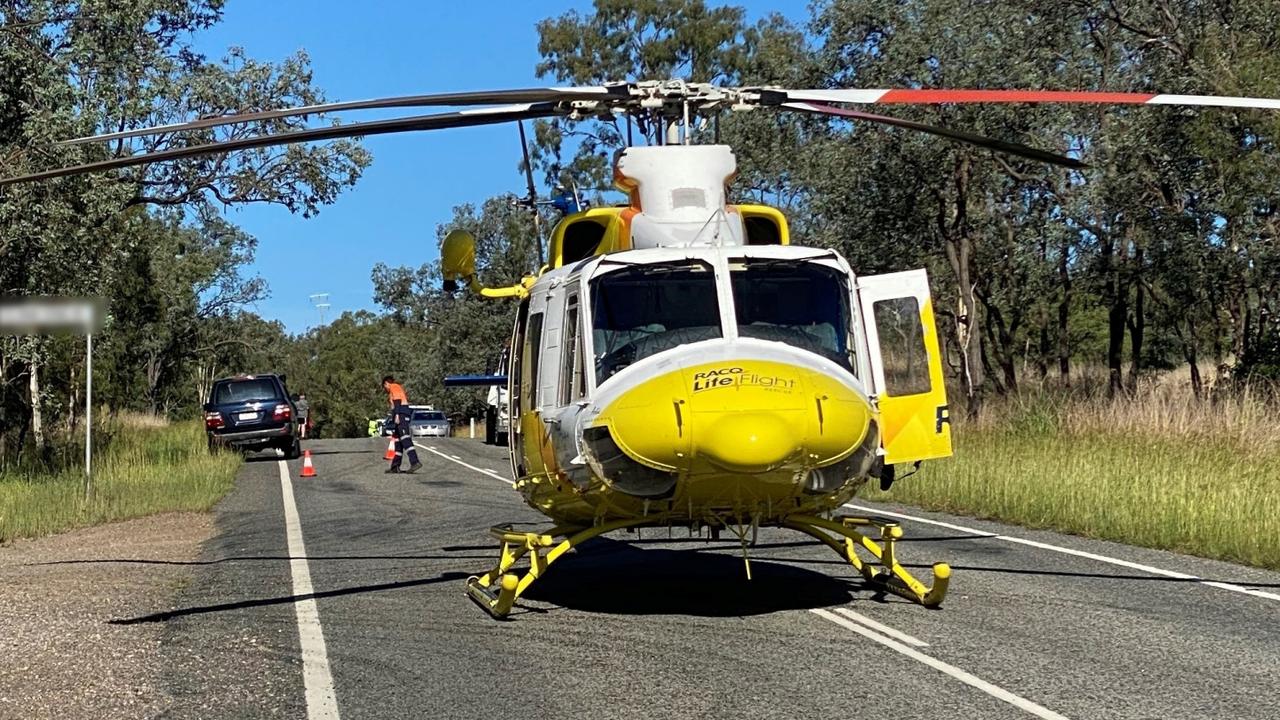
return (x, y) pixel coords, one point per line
(803, 304)
(644, 309)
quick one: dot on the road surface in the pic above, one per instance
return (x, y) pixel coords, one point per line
(370, 619)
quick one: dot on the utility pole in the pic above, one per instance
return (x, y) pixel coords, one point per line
(321, 302)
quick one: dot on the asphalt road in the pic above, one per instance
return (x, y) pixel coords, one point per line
(657, 628)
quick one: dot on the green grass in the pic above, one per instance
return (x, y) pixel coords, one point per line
(1195, 477)
(141, 471)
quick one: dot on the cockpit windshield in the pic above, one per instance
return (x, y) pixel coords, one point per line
(644, 309)
(803, 304)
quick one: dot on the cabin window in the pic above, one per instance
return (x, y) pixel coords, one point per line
(902, 350)
(802, 304)
(642, 310)
(529, 361)
(572, 386)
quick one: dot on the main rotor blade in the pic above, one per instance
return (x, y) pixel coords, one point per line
(464, 118)
(922, 96)
(1002, 146)
(486, 97)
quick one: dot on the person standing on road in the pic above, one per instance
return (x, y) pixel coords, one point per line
(400, 416)
(304, 414)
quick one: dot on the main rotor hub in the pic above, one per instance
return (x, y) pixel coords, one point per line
(669, 99)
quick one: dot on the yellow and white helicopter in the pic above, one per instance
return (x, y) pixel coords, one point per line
(677, 361)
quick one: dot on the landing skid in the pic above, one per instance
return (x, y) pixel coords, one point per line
(889, 575)
(497, 590)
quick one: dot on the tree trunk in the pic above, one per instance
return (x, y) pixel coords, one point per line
(1117, 296)
(1137, 327)
(1116, 316)
(1042, 354)
(1192, 360)
(1000, 339)
(73, 400)
(37, 419)
(1064, 313)
(959, 248)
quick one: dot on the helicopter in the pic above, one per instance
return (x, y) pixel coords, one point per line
(676, 361)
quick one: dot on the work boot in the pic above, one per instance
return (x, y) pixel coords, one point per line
(415, 467)
(392, 471)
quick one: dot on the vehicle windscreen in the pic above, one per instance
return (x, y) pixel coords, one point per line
(429, 415)
(237, 391)
(799, 303)
(644, 309)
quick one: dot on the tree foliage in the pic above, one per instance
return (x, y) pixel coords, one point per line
(150, 239)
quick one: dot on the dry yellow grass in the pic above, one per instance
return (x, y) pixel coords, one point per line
(1162, 470)
(147, 468)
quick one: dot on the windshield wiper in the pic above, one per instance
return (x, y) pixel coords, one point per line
(667, 266)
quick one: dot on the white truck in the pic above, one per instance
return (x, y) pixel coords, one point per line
(497, 417)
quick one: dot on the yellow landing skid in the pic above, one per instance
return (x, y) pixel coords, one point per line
(497, 590)
(889, 575)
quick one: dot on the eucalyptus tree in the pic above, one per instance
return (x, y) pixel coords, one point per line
(71, 68)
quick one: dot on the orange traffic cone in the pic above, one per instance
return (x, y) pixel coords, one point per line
(390, 454)
(308, 470)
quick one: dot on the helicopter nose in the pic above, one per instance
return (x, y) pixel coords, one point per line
(740, 417)
(748, 441)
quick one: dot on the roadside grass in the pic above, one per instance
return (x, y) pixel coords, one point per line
(145, 468)
(1163, 470)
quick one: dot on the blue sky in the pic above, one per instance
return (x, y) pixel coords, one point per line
(380, 48)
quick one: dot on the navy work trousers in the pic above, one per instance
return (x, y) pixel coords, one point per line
(404, 441)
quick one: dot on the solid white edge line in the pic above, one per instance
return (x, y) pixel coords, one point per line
(882, 628)
(465, 465)
(971, 680)
(1078, 553)
(317, 679)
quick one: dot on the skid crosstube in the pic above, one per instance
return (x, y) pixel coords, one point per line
(889, 575)
(497, 590)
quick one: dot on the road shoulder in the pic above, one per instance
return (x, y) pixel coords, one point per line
(60, 654)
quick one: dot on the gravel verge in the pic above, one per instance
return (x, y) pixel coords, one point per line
(60, 656)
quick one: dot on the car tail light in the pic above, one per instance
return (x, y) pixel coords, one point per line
(213, 420)
(282, 412)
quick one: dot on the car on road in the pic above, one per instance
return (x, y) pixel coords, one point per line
(429, 423)
(252, 412)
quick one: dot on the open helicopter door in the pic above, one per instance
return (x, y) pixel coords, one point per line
(906, 366)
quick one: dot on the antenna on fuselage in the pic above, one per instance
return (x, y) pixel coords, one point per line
(531, 201)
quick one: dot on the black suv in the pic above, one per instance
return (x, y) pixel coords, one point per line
(252, 412)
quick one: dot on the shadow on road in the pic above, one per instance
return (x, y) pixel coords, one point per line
(609, 576)
(285, 599)
(260, 558)
(1051, 573)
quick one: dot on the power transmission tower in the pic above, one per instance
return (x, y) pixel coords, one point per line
(321, 302)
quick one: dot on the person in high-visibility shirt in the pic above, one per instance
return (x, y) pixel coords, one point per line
(400, 416)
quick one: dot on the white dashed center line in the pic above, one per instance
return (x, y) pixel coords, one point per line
(994, 691)
(455, 459)
(1078, 553)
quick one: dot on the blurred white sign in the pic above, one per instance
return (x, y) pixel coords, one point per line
(35, 315)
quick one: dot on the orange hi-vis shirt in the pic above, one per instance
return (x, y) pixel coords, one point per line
(395, 393)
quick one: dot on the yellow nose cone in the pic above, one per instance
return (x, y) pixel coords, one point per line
(747, 441)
